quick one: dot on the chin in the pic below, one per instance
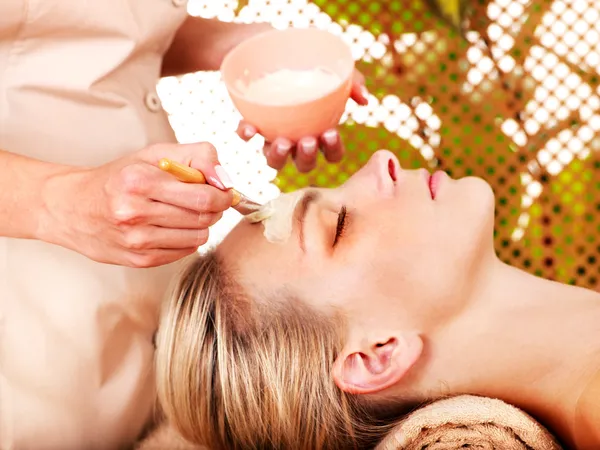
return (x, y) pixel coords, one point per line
(468, 196)
(478, 191)
(483, 211)
(485, 190)
(474, 205)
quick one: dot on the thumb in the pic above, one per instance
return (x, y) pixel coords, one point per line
(203, 156)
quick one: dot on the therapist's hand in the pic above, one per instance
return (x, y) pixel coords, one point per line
(131, 213)
(305, 151)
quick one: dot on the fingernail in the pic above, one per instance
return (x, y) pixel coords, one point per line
(364, 92)
(330, 137)
(247, 132)
(309, 146)
(227, 183)
(216, 182)
(283, 148)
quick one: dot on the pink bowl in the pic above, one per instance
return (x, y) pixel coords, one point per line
(294, 49)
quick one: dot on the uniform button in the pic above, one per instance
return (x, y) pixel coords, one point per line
(153, 102)
(179, 2)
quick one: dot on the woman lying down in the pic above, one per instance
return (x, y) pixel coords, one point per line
(361, 303)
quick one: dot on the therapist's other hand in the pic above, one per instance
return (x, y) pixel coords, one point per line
(129, 212)
(304, 152)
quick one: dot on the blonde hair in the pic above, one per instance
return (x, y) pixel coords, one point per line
(234, 373)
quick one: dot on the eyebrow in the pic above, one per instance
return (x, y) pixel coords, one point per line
(307, 199)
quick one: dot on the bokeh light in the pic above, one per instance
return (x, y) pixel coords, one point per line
(515, 100)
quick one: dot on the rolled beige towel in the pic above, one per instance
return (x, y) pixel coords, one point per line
(469, 422)
(455, 423)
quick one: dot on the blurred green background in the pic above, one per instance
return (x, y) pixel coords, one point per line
(500, 92)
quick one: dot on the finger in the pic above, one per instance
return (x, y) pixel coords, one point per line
(200, 198)
(135, 211)
(246, 131)
(169, 216)
(306, 154)
(332, 146)
(359, 92)
(151, 237)
(144, 181)
(157, 257)
(277, 153)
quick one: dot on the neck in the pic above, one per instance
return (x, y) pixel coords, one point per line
(531, 342)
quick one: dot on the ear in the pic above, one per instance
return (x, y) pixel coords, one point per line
(365, 369)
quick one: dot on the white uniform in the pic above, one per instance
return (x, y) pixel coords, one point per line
(77, 86)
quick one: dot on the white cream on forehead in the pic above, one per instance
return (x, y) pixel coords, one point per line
(277, 217)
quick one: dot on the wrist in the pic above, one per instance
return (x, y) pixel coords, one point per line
(239, 34)
(21, 194)
(229, 37)
(59, 204)
(201, 44)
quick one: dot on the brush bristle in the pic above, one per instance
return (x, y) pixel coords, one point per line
(263, 213)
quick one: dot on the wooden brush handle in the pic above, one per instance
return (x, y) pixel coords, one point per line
(188, 174)
(183, 173)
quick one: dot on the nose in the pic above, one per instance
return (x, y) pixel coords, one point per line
(385, 164)
(383, 168)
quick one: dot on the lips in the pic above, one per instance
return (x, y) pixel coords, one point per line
(434, 183)
(429, 184)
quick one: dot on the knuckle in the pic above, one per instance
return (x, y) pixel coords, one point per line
(155, 147)
(211, 201)
(142, 260)
(124, 212)
(202, 200)
(135, 240)
(134, 179)
(208, 149)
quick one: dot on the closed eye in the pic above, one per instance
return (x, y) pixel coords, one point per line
(341, 225)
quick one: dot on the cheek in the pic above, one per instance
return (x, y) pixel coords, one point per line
(330, 286)
(430, 250)
(351, 281)
(409, 219)
(387, 283)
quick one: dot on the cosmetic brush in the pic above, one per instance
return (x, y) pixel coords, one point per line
(187, 174)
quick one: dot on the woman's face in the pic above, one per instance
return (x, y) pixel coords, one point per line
(390, 244)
